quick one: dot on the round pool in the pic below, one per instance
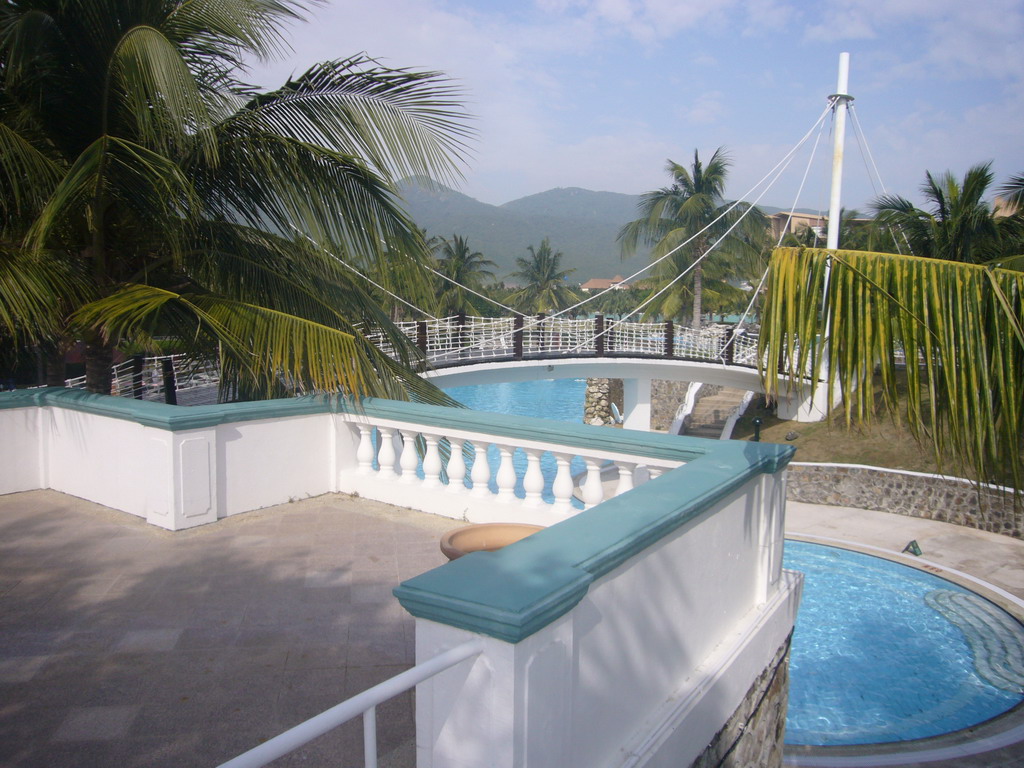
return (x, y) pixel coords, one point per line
(884, 652)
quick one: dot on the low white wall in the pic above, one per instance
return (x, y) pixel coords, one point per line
(174, 479)
(21, 448)
(273, 461)
(644, 670)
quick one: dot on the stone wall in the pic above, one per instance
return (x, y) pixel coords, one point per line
(597, 400)
(754, 735)
(666, 397)
(948, 500)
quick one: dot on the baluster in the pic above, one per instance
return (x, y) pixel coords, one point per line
(409, 459)
(365, 451)
(533, 480)
(625, 477)
(480, 475)
(456, 467)
(431, 463)
(387, 455)
(655, 472)
(593, 490)
(562, 486)
(506, 477)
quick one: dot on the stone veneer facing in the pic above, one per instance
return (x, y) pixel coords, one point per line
(946, 499)
(666, 397)
(754, 734)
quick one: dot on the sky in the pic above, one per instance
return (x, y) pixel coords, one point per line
(600, 94)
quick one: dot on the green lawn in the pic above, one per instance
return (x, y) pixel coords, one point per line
(881, 443)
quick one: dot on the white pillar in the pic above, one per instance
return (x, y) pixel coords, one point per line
(636, 400)
(842, 98)
(510, 707)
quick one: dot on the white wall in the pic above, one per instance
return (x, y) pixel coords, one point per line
(20, 450)
(644, 670)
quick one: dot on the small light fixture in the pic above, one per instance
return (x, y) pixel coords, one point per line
(913, 548)
(757, 430)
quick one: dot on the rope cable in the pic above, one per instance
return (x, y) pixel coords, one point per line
(859, 132)
(367, 279)
(782, 234)
(777, 170)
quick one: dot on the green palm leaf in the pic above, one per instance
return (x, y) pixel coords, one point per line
(851, 317)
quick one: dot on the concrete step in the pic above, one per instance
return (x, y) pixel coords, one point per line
(711, 413)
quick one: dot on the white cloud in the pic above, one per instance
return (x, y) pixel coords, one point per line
(706, 109)
(937, 38)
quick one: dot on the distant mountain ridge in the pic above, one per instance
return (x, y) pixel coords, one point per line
(580, 223)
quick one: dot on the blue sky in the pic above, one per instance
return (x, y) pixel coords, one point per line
(600, 93)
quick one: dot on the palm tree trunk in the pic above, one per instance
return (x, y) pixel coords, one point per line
(55, 368)
(698, 295)
(99, 361)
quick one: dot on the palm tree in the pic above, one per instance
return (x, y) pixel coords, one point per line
(958, 224)
(544, 288)
(692, 211)
(464, 268)
(150, 192)
(856, 233)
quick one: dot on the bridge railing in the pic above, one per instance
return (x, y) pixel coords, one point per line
(460, 339)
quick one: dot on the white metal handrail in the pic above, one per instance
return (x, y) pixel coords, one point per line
(364, 703)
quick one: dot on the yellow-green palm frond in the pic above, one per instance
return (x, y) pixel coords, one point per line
(951, 330)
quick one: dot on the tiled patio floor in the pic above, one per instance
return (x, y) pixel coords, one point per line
(124, 645)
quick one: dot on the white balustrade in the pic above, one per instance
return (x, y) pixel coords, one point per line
(480, 476)
(432, 465)
(625, 478)
(409, 460)
(533, 480)
(452, 474)
(456, 466)
(593, 488)
(365, 450)
(562, 486)
(506, 475)
(387, 457)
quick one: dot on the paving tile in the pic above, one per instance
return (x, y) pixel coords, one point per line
(148, 640)
(20, 669)
(96, 723)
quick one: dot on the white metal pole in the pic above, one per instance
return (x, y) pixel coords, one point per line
(840, 99)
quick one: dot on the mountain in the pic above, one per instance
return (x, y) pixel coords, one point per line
(579, 223)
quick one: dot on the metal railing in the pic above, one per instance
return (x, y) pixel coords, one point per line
(364, 704)
(157, 378)
(464, 340)
(461, 339)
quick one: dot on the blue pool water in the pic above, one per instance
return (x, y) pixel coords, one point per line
(885, 652)
(556, 399)
(881, 652)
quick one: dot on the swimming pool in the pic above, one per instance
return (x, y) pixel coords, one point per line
(884, 652)
(881, 652)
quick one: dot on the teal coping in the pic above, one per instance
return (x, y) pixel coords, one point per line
(512, 593)
(516, 591)
(179, 418)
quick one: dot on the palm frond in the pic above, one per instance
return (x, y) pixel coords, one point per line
(843, 315)
(401, 122)
(153, 91)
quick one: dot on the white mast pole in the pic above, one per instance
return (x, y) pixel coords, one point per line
(840, 99)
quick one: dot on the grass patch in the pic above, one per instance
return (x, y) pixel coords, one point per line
(881, 443)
